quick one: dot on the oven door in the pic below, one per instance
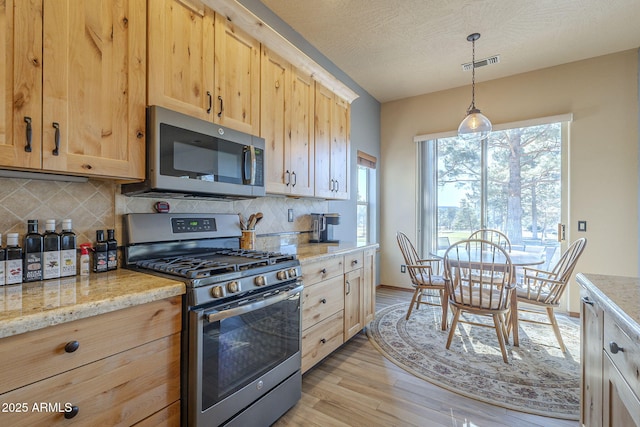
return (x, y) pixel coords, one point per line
(238, 355)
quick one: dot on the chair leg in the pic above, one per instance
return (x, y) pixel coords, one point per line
(444, 301)
(499, 324)
(556, 328)
(454, 323)
(413, 301)
(419, 300)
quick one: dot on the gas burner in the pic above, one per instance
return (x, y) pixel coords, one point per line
(189, 267)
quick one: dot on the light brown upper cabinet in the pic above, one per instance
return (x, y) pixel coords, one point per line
(286, 110)
(332, 140)
(181, 47)
(237, 78)
(74, 87)
(202, 65)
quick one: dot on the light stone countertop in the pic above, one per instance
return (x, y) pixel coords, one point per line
(31, 306)
(619, 296)
(309, 252)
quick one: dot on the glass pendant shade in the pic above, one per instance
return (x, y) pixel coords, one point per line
(475, 125)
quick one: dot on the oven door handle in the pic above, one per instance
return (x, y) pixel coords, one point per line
(215, 316)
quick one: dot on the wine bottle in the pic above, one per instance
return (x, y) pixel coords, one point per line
(112, 250)
(100, 253)
(13, 267)
(68, 252)
(51, 251)
(32, 252)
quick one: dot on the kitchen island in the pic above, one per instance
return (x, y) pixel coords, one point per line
(610, 350)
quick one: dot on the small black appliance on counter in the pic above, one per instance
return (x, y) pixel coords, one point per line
(322, 227)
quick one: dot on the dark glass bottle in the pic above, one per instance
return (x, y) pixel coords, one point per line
(32, 252)
(112, 250)
(68, 253)
(3, 262)
(100, 253)
(13, 267)
(51, 251)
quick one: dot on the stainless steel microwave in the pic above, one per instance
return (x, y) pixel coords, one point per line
(189, 157)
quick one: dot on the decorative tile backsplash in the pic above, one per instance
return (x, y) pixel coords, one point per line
(98, 204)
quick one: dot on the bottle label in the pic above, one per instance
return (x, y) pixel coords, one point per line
(51, 265)
(2, 273)
(100, 261)
(13, 270)
(68, 262)
(112, 262)
(33, 267)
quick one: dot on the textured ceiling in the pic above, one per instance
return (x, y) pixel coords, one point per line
(400, 48)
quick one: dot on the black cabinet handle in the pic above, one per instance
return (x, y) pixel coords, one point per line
(72, 413)
(586, 300)
(27, 147)
(337, 185)
(210, 102)
(221, 106)
(354, 262)
(323, 300)
(323, 271)
(323, 341)
(613, 346)
(348, 287)
(295, 180)
(71, 346)
(56, 150)
(288, 180)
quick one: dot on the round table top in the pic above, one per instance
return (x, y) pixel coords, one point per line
(518, 258)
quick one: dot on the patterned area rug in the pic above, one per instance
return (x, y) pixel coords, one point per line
(539, 378)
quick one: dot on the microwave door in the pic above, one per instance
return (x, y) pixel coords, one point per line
(249, 165)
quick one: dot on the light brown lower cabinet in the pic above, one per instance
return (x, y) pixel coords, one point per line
(610, 370)
(338, 302)
(119, 368)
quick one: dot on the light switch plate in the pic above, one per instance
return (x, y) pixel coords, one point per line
(290, 215)
(582, 225)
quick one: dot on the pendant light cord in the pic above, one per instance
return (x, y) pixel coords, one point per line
(473, 76)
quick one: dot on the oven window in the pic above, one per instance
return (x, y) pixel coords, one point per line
(240, 349)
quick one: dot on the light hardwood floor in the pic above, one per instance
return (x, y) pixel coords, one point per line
(357, 386)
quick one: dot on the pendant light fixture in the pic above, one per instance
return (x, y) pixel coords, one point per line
(475, 125)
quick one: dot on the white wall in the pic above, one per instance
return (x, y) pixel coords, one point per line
(602, 94)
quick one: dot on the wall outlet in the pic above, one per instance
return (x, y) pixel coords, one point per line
(403, 268)
(290, 215)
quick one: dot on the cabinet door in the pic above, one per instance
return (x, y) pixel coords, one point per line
(340, 146)
(94, 87)
(237, 78)
(353, 309)
(621, 405)
(275, 126)
(592, 330)
(324, 182)
(181, 57)
(302, 141)
(20, 83)
(369, 285)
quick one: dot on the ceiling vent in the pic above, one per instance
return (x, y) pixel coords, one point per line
(481, 63)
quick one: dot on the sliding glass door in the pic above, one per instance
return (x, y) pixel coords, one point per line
(512, 181)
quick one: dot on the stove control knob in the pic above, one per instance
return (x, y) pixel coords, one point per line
(281, 275)
(293, 272)
(216, 292)
(259, 281)
(233, 287)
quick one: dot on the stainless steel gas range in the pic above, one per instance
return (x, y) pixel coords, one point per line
(241, 319)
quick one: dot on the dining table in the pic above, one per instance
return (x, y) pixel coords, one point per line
(518, 259)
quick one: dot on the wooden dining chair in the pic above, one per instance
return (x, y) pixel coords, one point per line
(543, 288)
(424, 277)
(479, 277)
(493, 236)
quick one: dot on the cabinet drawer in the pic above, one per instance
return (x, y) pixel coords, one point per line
(321, 340)
(321, 301)
(353, 261)
(40, 354)
(119, 390)
(320, 270)
(627, 360)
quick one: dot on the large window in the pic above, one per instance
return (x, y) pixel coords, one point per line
(511, 181)
(365, 198)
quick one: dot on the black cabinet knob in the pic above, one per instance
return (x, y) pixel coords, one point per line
(323, 300)
(323, 340)
(71, 346)
(72, 413)
(613, 346)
